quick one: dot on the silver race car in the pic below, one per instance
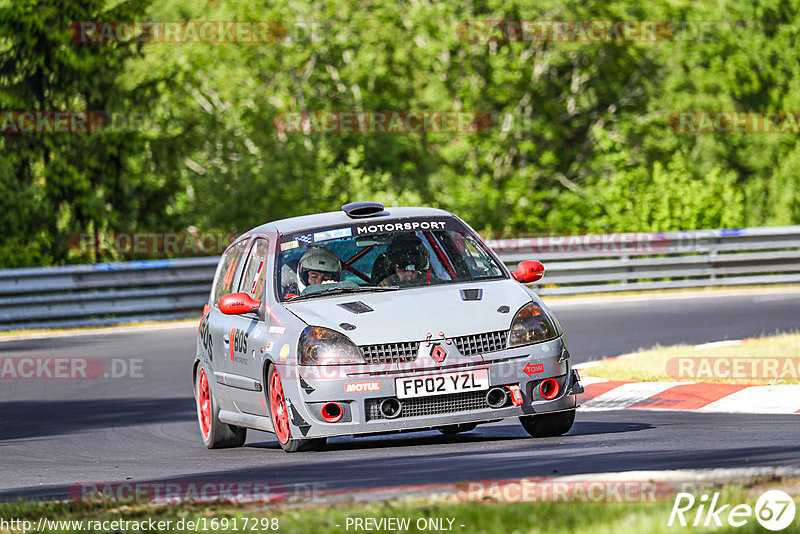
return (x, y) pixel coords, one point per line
(375, 320)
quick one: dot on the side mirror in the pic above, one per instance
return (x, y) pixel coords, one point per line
(529, 271)
(238, 303)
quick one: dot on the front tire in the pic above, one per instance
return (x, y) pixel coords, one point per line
(548, 425)
(216, 434)
(280, 419)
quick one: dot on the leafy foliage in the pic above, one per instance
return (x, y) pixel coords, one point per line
(578, 139)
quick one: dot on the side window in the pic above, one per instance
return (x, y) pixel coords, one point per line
(227, 271)
(480, 264)
(255, 270)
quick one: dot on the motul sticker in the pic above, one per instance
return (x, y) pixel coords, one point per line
(361, 387)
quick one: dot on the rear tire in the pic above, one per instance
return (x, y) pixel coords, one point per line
(215, 433)
(280, 419)
(548, 425)
(451, 430)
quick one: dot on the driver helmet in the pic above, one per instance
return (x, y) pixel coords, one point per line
(317, 259)
(408, 253)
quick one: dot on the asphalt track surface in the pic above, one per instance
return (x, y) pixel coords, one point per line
(57, 433)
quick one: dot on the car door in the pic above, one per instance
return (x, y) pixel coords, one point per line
(247, 333)
(224, 282)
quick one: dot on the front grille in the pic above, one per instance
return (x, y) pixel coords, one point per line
(391, 352)
(435, 405)
(475, 344)
(481, 343)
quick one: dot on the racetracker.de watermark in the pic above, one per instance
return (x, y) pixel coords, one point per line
(72, 122)
(150, 243)
(625, 242)
(565, 31)
(595, 31)
(733, 368)
(734, 122)
(600, 31)
(609, 244)
(345, 122)
(69, 368)
(385, 121)
(575, 491)
(190, 31)
(173, 492)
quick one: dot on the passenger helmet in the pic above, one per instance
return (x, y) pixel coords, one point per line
(408, 253)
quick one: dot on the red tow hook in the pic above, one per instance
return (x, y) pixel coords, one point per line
(516, 394)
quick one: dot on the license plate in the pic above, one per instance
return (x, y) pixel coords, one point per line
(442, 384)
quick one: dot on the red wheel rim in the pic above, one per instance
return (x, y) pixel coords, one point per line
(277, 404)
(204, 404)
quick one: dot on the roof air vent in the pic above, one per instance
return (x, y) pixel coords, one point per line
(359, 210)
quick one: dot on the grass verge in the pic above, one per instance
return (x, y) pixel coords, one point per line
(444, 513)
(676, 292)
(762, 361)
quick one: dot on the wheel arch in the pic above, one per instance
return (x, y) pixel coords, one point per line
(265, 370)
(195, 367)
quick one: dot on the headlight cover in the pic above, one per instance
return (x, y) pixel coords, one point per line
(532, 324)
(323, 346)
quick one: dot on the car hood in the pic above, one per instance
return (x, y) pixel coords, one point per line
(411, 314)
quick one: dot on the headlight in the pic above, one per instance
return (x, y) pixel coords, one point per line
(531, 325)
(322, 346)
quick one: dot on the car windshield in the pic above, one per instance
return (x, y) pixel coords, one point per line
(376, 258)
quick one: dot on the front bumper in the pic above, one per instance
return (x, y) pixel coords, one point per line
(359, 390)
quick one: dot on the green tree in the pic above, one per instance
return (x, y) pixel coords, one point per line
(55, 185)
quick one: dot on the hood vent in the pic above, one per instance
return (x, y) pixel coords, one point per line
(356, 307)
(471, 294)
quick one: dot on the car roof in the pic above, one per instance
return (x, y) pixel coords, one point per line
(333, 218)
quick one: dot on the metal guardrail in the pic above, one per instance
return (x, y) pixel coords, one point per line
(104, 293)
(660, 260)
(112, 293)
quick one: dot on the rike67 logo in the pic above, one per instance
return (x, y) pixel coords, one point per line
(774, 510)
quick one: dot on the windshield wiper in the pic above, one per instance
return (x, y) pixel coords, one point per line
(341, 290)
